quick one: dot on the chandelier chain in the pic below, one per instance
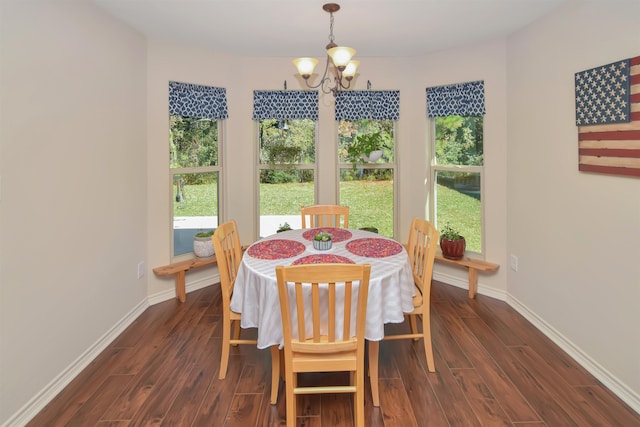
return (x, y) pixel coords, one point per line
(339, 68)
(331, 28)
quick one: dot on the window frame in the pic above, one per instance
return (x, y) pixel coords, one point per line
(297, 166)
(434, 168)
(199, 169)
(393, 166)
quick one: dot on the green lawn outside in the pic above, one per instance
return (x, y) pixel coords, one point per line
(370, 205)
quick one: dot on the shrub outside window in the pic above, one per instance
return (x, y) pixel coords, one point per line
(286, 170)
(195, 179)
(367, 186)
(457, 176)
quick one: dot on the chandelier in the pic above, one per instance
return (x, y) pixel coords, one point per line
(339, 69)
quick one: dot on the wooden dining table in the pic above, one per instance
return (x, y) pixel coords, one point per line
(255, 294)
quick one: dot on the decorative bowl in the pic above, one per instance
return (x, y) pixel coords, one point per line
(322, 245)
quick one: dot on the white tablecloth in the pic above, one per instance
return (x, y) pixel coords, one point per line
(255, 293)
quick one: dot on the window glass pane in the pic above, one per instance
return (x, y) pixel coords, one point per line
(367, 187)
(195, 207)
(459, 140)
(287, 174)
(287, 142)
(349, 130)
(369, 195)
(458, 203)
(193, 142)
(282, 193)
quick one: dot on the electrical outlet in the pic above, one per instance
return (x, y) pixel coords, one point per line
(514, 262)
(140, 269)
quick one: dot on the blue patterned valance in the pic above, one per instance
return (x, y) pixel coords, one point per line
(285, 104)
(461, 99)
(203, 102)
(368, 104)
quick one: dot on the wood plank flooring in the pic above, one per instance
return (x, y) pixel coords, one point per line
(493, 368)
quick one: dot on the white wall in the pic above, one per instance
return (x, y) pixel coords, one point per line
(576, 234)
(84, 128)
(73, 197)
(241, 76)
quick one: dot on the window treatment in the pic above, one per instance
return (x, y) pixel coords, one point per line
(368, 104)
(192, 100)
(285, 104)
(460, 99)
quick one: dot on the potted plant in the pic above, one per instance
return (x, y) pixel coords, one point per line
(366, 148)
(322, 241)
(452, 243)
(202, 244)
(282, 154)
(283, 227)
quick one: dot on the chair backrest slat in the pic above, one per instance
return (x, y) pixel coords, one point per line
(302, 335)
(327, 283)
(423, 242)
(228, 250)
(336, 216)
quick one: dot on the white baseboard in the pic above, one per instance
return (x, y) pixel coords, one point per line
(616, 386)
(464, 284)
(51, 390)
(38, 402)
(46, 395)
(190, 287)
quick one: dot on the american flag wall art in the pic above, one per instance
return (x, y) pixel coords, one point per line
(608, 118)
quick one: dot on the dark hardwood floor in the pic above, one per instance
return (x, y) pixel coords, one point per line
(492, 369)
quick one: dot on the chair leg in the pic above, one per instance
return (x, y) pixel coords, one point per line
(413, 325)
(426, 337)
(236, 330)
(282, 375)
(275, 373)
(291, 383)
(224, 357)
(374, 349)
(358, 399)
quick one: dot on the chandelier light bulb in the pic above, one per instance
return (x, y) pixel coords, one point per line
(341, 55)
(339, 70)
(305, 66)
(350, 70)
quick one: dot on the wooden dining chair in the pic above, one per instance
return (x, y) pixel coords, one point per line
(228, 250)
(336, 216)
(331, 341)
(422, 245)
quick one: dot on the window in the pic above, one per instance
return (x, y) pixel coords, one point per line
(367, 184)
(194, 156)
(287, 156)
(287, 172)
(457, 161)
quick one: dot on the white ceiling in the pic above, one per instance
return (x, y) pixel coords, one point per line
(294, 28)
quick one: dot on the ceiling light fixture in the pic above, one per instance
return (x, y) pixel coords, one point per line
(338, 57)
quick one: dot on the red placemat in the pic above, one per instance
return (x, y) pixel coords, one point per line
(374, 247)
(276, 249)
(323, 259)
(337, 234)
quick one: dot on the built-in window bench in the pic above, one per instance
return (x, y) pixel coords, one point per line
(472, 265)
(179, 269)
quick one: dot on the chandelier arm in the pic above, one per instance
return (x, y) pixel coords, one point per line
(323, 80)
(342, 55)
(343, 86)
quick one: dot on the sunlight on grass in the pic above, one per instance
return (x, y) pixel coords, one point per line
(370, 205)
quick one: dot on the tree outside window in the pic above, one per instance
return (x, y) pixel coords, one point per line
(195, 172)
(367, 187)
(287, 171)
(458, 166)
